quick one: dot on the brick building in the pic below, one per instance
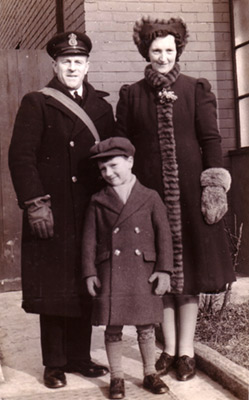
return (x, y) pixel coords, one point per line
(212, 52)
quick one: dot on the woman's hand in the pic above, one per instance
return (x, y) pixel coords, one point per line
(163, 282)
(93, 282)
(215, 184)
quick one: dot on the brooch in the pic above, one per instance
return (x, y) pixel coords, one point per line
(166, 96)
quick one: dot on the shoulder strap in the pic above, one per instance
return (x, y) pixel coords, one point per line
(74, 107)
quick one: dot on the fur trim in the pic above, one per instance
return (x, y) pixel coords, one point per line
(213, 204)
(216, 177)
(165, 131)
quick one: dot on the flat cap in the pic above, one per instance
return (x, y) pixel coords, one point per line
(112, 147)
(69, 43)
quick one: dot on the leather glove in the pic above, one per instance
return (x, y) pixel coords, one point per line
(163, 282)
(215, 182)
(40, 217)
(93, 282)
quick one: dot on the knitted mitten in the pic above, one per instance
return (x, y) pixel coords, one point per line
(215, 182)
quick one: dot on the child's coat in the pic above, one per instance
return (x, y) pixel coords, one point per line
(123, 245)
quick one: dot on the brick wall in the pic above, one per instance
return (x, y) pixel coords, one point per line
(26, 23)
(29, 24)
(115, 59)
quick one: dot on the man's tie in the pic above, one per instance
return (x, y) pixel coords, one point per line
(77, 97)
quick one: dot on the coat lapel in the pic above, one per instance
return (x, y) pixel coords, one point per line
(108, 198)
(139, 195)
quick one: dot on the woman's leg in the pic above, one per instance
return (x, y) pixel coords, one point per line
(169, 325)
(187, 307)
(187, 317)
(169, 329)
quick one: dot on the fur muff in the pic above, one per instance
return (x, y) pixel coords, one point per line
(216, 177)
(215, 182)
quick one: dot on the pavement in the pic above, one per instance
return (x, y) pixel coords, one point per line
(21, 369)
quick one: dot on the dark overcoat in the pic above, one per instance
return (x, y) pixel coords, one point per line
(49, 154)
(123, 245)
(206, 257)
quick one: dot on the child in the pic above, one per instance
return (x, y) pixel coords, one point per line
(126, 250)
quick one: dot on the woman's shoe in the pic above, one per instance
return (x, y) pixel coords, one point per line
(154, 384)
(164, 363)
(185, 368)
(117, 389)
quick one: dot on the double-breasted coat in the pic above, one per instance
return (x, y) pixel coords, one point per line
(49, 154)
(207, 262)
(123, 245)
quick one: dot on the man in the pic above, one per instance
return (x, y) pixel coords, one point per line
(54, 180)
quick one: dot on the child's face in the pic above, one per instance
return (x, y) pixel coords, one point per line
(117, 170)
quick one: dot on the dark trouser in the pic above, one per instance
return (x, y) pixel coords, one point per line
(64, 340)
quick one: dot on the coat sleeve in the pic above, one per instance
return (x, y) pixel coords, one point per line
(106, 125)
(163, 239)
(24, 146)
(89, 242)
(206, 125)
(122, 113)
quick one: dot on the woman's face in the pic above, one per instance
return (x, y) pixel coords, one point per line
(162, 54)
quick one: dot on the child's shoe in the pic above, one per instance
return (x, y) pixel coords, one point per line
(164, 363)
(154, 384)
(117, 389)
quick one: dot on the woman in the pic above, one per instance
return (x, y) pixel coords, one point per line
(171, 119)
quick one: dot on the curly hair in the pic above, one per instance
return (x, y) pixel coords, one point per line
(148, 29)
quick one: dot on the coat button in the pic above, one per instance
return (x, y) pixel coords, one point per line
(137, 229)
(74, 179)
(116, 230)
(71, 143)
(138, 252)
(117, 252)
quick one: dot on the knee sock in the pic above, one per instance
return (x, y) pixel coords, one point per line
(113, 345)
(147, 346)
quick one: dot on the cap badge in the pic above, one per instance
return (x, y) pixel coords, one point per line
(72, 39)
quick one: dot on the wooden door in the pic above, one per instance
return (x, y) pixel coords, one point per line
(21, 71)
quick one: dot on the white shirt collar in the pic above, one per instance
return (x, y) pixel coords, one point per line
(80, 91)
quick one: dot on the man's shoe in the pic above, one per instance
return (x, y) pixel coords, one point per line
(164, 363)
(54, 378)
(154, 384)
(117, 389)
(88, 369)
(185, 368)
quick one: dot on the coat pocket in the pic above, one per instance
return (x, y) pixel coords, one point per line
(102, 257)
(149, 256)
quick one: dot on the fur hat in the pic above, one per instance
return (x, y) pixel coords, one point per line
(148, 29)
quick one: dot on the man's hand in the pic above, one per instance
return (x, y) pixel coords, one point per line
(93, 282)
(163, 284)
(40, 217)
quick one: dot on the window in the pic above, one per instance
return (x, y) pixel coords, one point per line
(240, 25)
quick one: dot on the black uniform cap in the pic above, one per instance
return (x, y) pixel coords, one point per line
(69, 43)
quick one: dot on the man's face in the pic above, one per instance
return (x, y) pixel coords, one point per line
(117, 170)
(71, 70)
